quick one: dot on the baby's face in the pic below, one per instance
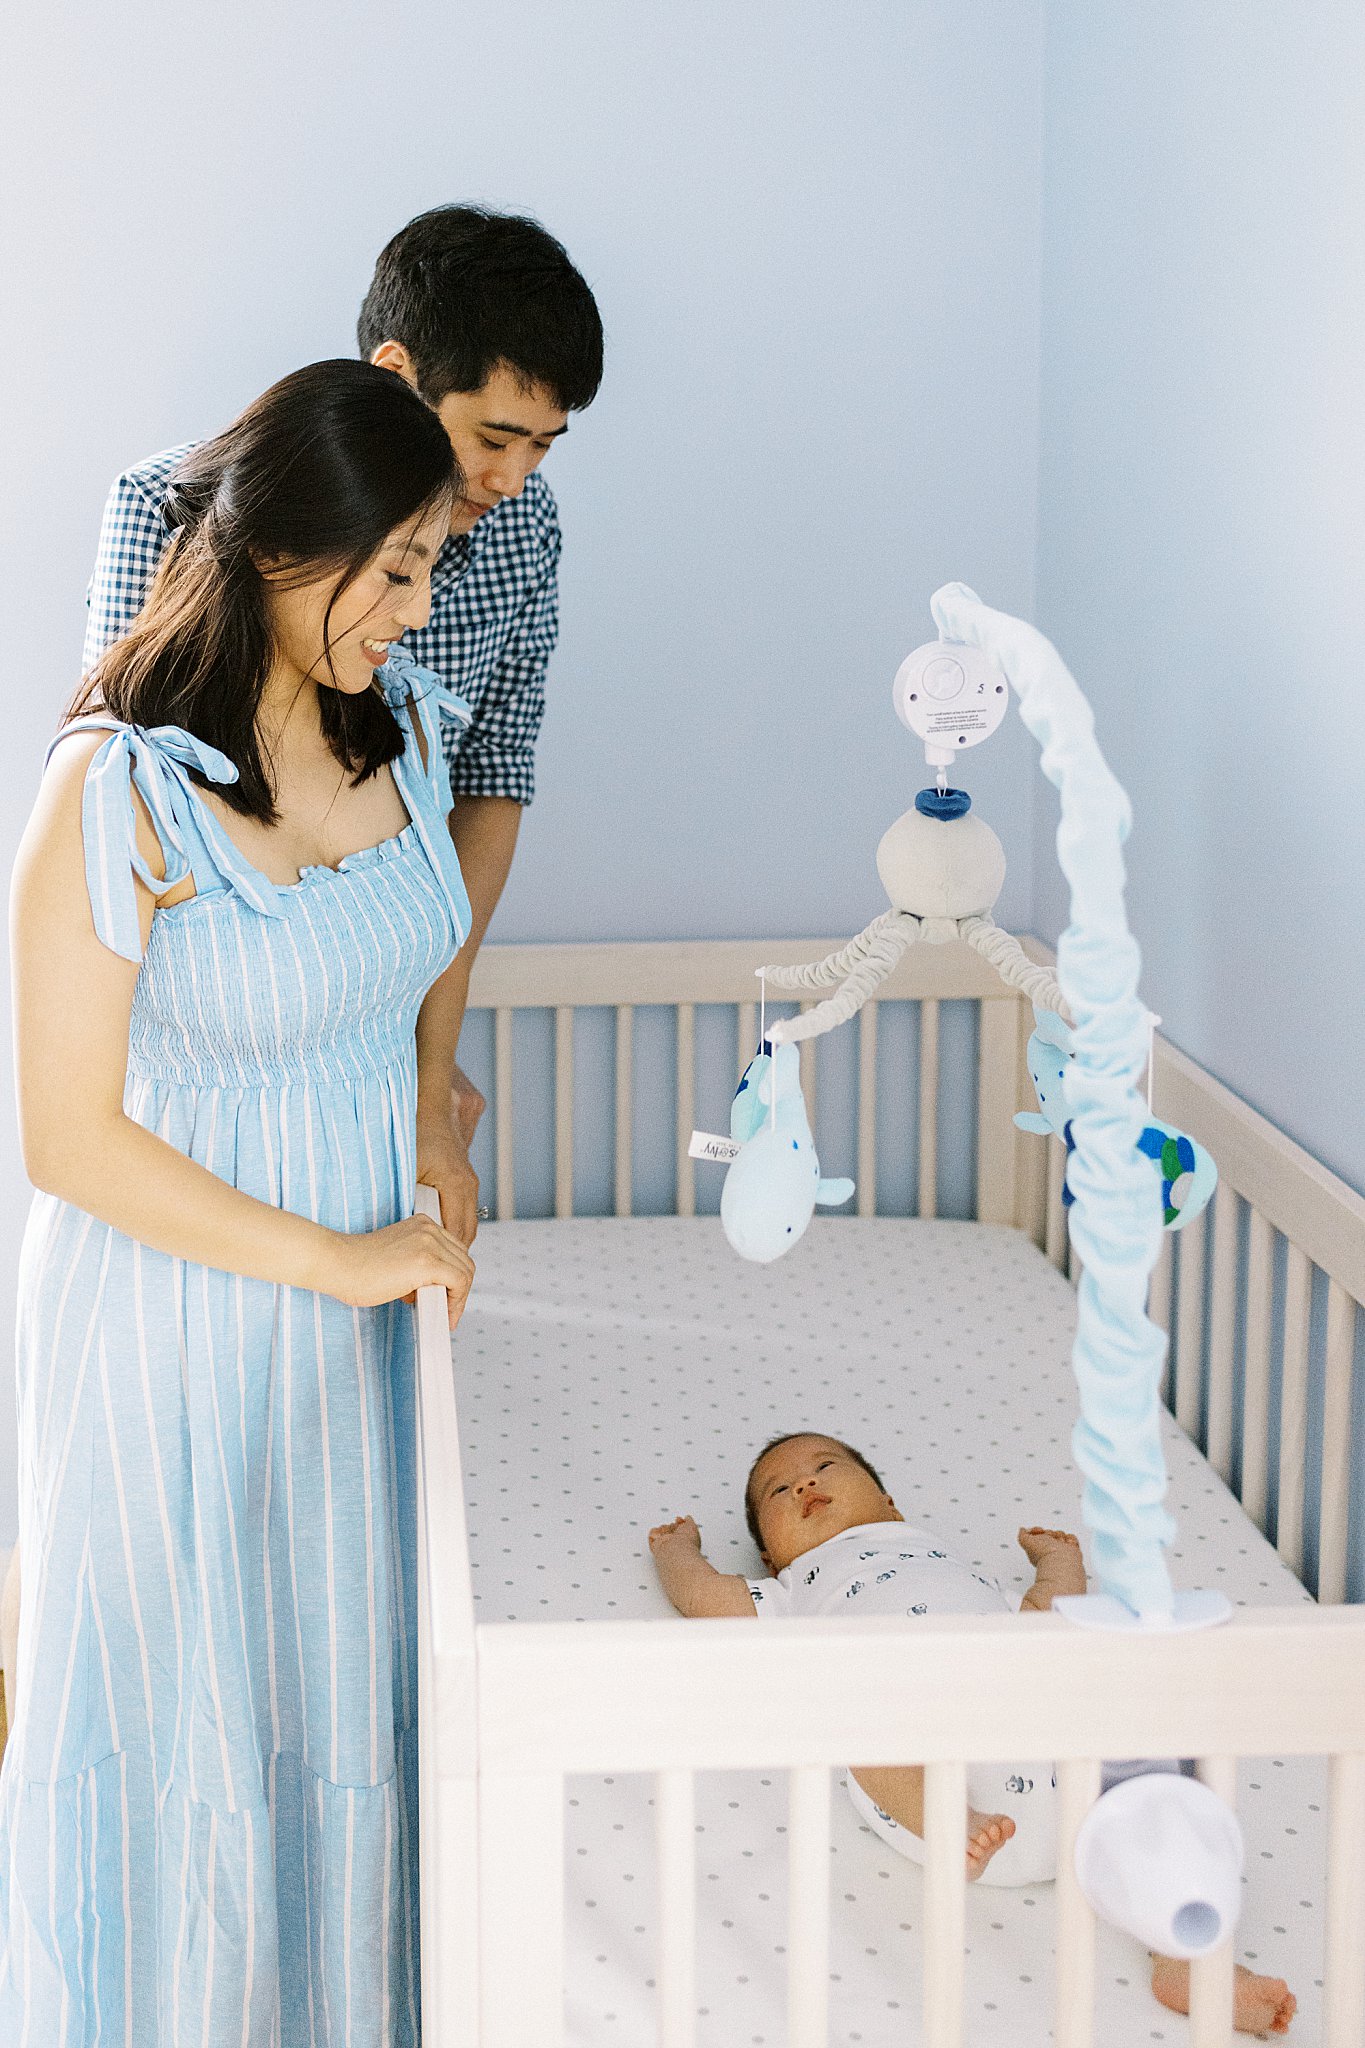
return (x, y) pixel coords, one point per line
(808, 1490)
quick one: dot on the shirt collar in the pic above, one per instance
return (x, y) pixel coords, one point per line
(452, 559)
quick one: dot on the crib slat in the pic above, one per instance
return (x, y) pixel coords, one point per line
(997, 1052)
(1030, 1153)
(867, 1110)
(1159, 1308)
(1256, 1371)
(1078, 1787)
(748, 1033)
(1298, 1300)
(686, 1203)
(1344, 1984)
(1336, 1445)
(1189, 1343)
(1074, 1268)
(674, 1806)
(625, 1108)
(945, 1901)
(808, 1908)
(1056, 1208)
(928, 1107)
(1222, 1315)
(1211, 1976)
(808, 1069)
(502, 1088)
(521, 1893)
(564, 1111)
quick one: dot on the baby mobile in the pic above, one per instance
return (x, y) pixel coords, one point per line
(1128, 1174)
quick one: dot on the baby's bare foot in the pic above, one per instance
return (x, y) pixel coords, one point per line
(986, 1832)
(1037, 1543)
(1260, 2005)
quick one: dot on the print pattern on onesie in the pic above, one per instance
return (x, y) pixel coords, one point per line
(925, 1579)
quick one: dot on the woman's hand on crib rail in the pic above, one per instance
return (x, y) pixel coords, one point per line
(367, 1268)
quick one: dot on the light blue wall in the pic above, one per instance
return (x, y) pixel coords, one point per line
(1202, 527)
(816, 236)
(1202, 518)
(814, 232)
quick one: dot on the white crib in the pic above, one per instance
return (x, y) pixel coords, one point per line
(509, 1710)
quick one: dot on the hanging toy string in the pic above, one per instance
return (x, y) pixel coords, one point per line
(762, 1041)
(1152, 1021)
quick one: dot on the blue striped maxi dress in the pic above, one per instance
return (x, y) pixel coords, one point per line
(208, 1821)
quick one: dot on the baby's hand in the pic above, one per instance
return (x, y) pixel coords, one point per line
(1036, 1543)
(684, 1530)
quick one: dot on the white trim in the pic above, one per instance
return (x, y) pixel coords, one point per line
(9, 1628)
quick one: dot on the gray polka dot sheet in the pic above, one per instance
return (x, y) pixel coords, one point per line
(614, 1373)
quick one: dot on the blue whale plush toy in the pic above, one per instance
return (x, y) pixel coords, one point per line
(1188, 1174)
(773, 1183)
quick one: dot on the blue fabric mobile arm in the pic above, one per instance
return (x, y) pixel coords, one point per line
(1115, 1222)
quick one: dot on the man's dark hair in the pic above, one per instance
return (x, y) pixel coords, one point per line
(751, 1506)
(313, 478)
(465, 289)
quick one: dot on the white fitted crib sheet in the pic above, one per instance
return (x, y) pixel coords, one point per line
(615, 1373)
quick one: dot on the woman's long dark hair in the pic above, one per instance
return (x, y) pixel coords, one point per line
(312, 479)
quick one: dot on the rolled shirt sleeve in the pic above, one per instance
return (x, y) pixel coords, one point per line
(496, 757)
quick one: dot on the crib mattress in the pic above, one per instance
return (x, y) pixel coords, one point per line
(615, 1373)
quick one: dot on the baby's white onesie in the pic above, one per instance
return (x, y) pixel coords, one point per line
(889, 1568)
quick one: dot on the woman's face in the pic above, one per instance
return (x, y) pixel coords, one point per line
(390, 596)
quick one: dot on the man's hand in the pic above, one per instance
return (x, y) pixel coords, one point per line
(443, 1164)
(468, 1105)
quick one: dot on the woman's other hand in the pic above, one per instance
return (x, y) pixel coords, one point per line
(468, 1105)
(443, 1164)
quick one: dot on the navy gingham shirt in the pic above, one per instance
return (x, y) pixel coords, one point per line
(494, 617)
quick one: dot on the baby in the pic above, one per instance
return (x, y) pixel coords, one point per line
(834, 1541)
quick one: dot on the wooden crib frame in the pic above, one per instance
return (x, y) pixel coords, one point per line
(508, 1709)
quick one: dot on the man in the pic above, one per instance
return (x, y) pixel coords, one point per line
(484, 315)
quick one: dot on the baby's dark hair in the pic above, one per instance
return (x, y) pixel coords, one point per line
(751, 1506)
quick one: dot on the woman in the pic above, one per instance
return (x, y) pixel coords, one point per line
(234, 909)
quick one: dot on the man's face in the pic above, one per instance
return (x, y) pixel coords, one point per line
(808, 1490)
(500, 433)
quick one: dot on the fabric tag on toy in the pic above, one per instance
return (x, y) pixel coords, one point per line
(706, 1145)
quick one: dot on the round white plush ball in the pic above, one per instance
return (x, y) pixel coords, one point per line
(936, 867)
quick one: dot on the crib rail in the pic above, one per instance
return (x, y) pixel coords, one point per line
(649, 1697)
(447, 1693)
(1262, 1303)
(1261, 1297)
(685, 979)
